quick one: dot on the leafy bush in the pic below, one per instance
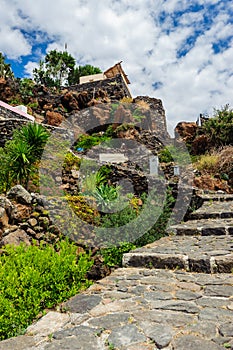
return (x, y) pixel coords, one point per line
(219, 129)
(207, 163)
(112, 256)
(165, 155)
(34, 278)
(71, 161)
(158, 230)
(172, 153)
(89, 141)
(135, 217)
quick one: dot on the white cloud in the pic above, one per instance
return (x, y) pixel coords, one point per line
(104, 32)
(29, 67)
(13, 43)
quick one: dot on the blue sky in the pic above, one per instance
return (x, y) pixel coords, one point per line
(180, 51)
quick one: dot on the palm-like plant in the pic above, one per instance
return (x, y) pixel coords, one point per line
(20, 155)
(36, 136)
(20, 161)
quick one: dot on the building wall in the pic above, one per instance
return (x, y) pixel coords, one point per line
(91, 78)
(8, 114)
(8, 126)
(7, 111)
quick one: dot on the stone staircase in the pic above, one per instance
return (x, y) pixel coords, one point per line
(204, 243)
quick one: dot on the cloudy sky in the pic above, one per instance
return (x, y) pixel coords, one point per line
(180, 51)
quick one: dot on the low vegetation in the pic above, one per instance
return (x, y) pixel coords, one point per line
(34, 278)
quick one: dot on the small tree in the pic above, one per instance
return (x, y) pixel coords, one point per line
(55, 70)
(5, 68)
(26, 87)
(219, 129)
(81, 71)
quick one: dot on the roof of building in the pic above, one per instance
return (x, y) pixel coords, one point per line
(116, 69)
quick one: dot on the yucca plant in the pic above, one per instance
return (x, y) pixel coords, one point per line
(21, 154)
(35, 135)
(19, 161)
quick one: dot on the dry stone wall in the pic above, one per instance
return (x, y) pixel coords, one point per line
(8, 126)
(115, 87)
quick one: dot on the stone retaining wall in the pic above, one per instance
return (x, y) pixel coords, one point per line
(8, 126)
(116, 87)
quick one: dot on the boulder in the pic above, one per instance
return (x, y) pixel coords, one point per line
(19, 194)
(186, 131)
(208, 182)
(69, 101)
(4, 220)
(53, 118)
(20, 212)
(15, 238)
(7, 205)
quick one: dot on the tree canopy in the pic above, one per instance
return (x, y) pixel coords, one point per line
(59, 68)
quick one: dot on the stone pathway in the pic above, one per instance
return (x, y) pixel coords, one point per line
(174, 294)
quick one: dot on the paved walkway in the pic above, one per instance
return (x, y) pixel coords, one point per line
(175, 294)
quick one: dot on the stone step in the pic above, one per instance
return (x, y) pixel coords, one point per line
(213, 209)
(221, 197)
(210, 254)
(204, 227)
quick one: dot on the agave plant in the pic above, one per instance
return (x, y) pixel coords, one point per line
(107, 197)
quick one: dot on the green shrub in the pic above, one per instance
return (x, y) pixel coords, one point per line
(158, 230)
(112, 256)
(219, 129)
(178, 154)
(35, 136)
(89, 141)
(132, 220)
(34, 278)
(207, 163)
(71, 161)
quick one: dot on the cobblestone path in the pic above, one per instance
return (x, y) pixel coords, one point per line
(174, 294)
